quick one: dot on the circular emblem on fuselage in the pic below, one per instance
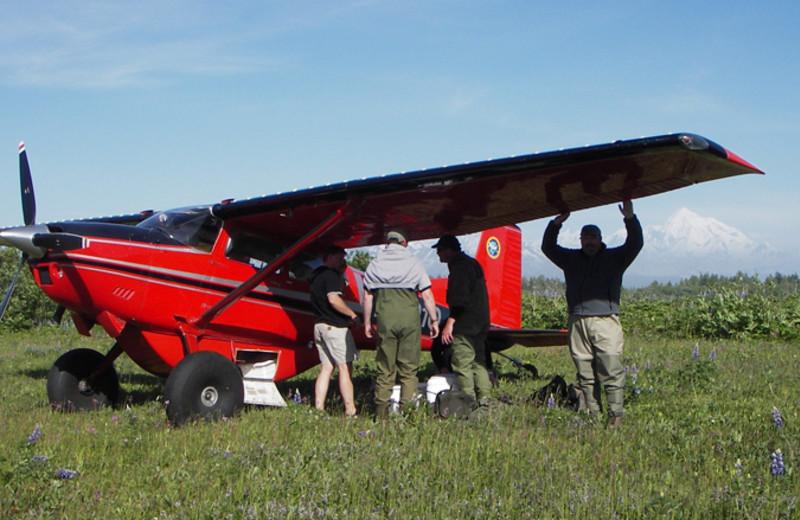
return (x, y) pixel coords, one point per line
(493, 248)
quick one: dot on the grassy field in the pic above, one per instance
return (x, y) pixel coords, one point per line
(699, 440)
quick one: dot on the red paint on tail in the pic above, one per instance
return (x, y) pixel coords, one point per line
(500, 254)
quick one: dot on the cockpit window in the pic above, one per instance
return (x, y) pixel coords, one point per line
(195, 227)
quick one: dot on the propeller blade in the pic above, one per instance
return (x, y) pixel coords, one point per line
(26, 186)
(58, 241)
(7, 297)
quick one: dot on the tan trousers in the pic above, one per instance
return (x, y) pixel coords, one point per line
(595, 343)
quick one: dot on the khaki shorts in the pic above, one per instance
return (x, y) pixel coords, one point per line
(334, 344)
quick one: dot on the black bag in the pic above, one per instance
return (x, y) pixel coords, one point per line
(453, 404)
(556, 388)
(566, 396)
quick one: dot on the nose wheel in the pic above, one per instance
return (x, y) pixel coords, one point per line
(71, 388)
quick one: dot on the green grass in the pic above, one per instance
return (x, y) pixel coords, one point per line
(696, 443)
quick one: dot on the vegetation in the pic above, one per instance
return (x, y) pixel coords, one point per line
(711, 428)
(711, 431)
(707, 306)
(29, 306)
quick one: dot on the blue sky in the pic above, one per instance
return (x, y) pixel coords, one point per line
(127, 106)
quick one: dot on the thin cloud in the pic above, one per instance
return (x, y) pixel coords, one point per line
(105, 48)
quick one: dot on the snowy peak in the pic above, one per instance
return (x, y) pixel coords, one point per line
(689, 233)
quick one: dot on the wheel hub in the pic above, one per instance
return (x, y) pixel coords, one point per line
(209, 396)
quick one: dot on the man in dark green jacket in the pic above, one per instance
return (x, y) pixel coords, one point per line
(593, 275)
(467, 325)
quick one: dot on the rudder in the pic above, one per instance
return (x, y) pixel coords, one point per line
(500, 254)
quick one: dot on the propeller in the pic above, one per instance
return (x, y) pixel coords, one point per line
(32, 239)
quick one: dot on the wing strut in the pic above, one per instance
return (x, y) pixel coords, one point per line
(252, 282)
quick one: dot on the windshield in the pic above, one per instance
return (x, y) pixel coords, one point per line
(195, 227)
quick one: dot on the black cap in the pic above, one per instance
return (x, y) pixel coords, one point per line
(449, 242)
(590, 230)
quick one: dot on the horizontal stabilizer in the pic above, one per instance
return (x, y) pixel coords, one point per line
(501, 339)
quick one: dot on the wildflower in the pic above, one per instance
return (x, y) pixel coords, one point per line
(647, 365)
(227, 454)
(776, 418)
(551, 401)
(738, 466)
(777, 467)
(713, 355)
(634, 374)
(696, 351)
(66, 474)
(298, 399)
(40, 459)
(33, 437)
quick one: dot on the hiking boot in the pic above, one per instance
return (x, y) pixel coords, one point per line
(614, 422)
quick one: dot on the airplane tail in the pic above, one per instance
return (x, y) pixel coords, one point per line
(500, 254)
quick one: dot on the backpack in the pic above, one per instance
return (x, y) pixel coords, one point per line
(566, 396)
(556, 388)
(455, 404)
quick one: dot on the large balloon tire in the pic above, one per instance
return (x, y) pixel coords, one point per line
(203, 386)
(64, 382)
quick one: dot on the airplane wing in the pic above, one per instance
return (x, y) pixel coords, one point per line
(471, 197)
(501, 339)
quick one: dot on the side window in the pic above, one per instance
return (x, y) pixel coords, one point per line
(260, 252)
(302, 266)
(253, 250)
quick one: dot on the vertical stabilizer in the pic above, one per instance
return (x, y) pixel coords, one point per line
(500, 254)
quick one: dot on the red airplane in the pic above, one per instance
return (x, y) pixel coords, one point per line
(215, 297)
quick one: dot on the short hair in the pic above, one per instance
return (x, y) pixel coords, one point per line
(396, 236)
(332, 250)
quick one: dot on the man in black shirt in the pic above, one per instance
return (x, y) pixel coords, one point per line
(467, 326)
(332, 336)
(593, 275)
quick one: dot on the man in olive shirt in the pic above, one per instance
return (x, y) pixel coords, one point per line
(392, 281)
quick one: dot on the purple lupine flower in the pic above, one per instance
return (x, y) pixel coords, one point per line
(67, 474)
(776, 417)
(647, 365)
(298, 399)
(33, 437)
(696, 351)
(40, 458)
(551, 402)
(777, 467)
(713, 355)
(634, 373)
